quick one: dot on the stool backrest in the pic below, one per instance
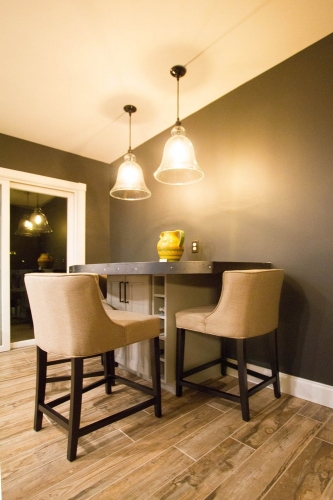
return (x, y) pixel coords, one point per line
(249, 303)
(68, 314)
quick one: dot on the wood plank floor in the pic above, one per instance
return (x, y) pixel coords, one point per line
(200, 448)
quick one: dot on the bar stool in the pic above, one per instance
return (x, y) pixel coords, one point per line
(71, 321)
(248, 307)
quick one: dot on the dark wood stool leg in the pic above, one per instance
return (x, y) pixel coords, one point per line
(40, 387)
(275, 362)
(242, 379)
(156, 374)
(75, 407)
(113, 367)
(108, 371)
(223, 356)
(180, 353)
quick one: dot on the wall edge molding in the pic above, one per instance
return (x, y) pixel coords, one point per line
(312, 391)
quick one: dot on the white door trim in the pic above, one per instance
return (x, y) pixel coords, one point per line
(75, 192)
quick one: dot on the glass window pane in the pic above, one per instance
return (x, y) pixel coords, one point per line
(33, 250)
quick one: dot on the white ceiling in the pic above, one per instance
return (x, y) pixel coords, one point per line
(68, 67)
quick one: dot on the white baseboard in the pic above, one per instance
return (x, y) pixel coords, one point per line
(22, 343)
(315, 392)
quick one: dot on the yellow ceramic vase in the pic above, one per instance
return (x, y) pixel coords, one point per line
(171, 245)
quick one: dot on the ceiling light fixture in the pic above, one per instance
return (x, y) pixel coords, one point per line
(39, 221)
(25, 227)
(130, 184)
(179, 165)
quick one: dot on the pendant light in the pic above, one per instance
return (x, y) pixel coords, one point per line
(130, 184)
(25, 227)
(39, 221)
(179, 165)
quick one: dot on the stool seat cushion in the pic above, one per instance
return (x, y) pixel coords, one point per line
(248, 306)
(136, 326)
(76, 322)
(194, 319)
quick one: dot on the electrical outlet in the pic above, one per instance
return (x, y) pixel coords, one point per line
(195, 246)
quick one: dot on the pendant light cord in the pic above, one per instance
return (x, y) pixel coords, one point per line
(129, 108)
(177, 72)
(178, 123)
(130, 133)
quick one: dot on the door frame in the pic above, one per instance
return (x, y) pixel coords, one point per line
(75, 192)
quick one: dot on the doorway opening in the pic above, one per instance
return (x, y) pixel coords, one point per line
(33, 251)
(65, 204)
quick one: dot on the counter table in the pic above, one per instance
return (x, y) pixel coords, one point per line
(162, 289)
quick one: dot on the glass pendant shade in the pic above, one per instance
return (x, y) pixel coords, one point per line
(179, 165)
(39, 222)
(130, 184)
(24, 227)
(34, 224)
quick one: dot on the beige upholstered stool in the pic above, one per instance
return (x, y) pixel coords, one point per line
(248, 307)
(71, 320)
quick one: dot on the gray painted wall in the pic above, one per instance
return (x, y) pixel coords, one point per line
(25, 156)
(267, 153)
